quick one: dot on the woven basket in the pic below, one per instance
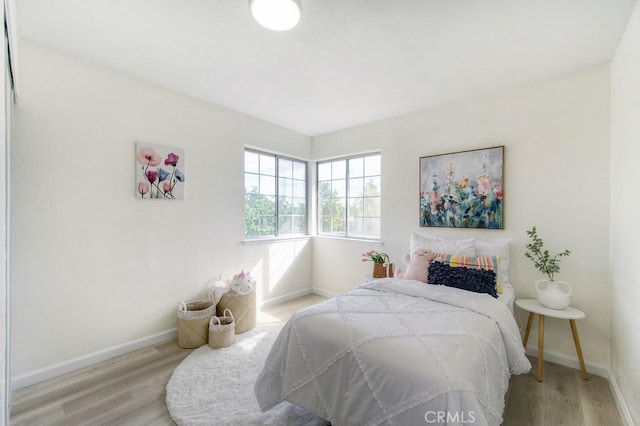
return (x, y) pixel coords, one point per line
(222, 331)
(193, 322)
(380, 269)
(243, 308)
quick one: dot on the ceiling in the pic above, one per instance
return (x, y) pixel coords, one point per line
(348, 62)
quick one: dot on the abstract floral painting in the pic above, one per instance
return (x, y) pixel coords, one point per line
(463, 189)
(160, 172)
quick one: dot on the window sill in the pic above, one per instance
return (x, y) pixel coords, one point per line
(356, 240)
(270, 240)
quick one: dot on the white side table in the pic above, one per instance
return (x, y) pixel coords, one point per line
(572, 314)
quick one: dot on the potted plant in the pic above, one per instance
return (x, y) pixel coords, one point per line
(379, 262)
(551, 295)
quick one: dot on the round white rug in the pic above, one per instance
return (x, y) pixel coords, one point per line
(215, 386)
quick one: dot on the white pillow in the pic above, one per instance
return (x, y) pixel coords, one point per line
(496, 247)
(458, 247)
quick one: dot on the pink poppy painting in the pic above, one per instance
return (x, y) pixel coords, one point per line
(160, 172)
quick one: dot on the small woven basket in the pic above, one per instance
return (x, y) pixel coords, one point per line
(193, 322)
(243, 307)
(380, 269)
(222, 331)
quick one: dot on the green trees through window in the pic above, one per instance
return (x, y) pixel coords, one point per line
(349, 197)
(275, 195)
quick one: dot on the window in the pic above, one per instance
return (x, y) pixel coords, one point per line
(275, 193)
(349, 197)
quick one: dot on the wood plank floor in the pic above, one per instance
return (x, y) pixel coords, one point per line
(130, 390)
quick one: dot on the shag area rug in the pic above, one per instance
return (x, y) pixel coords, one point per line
(215, 386)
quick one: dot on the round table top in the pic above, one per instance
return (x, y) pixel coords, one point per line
(532, 305)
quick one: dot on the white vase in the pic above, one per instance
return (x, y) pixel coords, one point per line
(552, 296)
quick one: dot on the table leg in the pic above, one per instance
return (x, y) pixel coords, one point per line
(526, 333)
(540, 347)
(576, 340)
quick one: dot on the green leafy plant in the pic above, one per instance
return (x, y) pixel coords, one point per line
(542, 259)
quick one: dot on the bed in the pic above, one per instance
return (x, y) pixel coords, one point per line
(404, 352)
(397, 352)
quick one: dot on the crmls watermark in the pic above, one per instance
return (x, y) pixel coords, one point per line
(448, 417)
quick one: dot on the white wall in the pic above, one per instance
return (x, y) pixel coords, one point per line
(625, 205)
(556, 137)
(92, 266)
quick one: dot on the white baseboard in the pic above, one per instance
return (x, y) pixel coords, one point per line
(598, 370)
(56, 370)
(325, 293)
(623, 408)
(289, 296)
(47, 373)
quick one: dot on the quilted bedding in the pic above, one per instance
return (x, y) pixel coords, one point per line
(396, 352)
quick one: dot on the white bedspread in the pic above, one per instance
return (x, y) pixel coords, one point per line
(397, 352)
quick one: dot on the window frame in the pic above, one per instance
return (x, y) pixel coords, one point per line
(276, 176)
(346, 158)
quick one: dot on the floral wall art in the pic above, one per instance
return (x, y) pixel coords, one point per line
(160, 172)
(463, 189)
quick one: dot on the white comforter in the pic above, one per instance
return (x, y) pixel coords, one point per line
(397, 352)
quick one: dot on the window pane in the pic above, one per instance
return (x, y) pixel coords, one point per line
(284, 225)
(324, 171)
(300, 206)
(267, 165)
(267, 185)
(372, 186)
(285, 206)
(372, 207)
(285, 168)
(251, 162)
(356, 227)
(372, 165)
(299, 170)
(267, 205)
(356, 167)
(299, 224)
(251, 182)
(339, 215)
(339, 188)
(356, 207)
(339, 169)
(356, 187)
(325, 224)
(371, 228)
(285, 187)
(267, 226)
(299, 188)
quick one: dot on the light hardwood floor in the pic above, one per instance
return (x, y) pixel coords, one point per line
(130, 390)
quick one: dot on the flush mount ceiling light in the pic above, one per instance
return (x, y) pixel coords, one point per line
(277, 15)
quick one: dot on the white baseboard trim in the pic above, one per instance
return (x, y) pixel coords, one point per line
(598, 370)
(56, 370)
(289, 296)
(623, 408)
(325, 293)
(47, 373)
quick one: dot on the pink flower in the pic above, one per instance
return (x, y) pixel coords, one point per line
(148, 157)
(499, 192)
(143, 188)
(166, 187)
(152, 175)
(172, 160)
